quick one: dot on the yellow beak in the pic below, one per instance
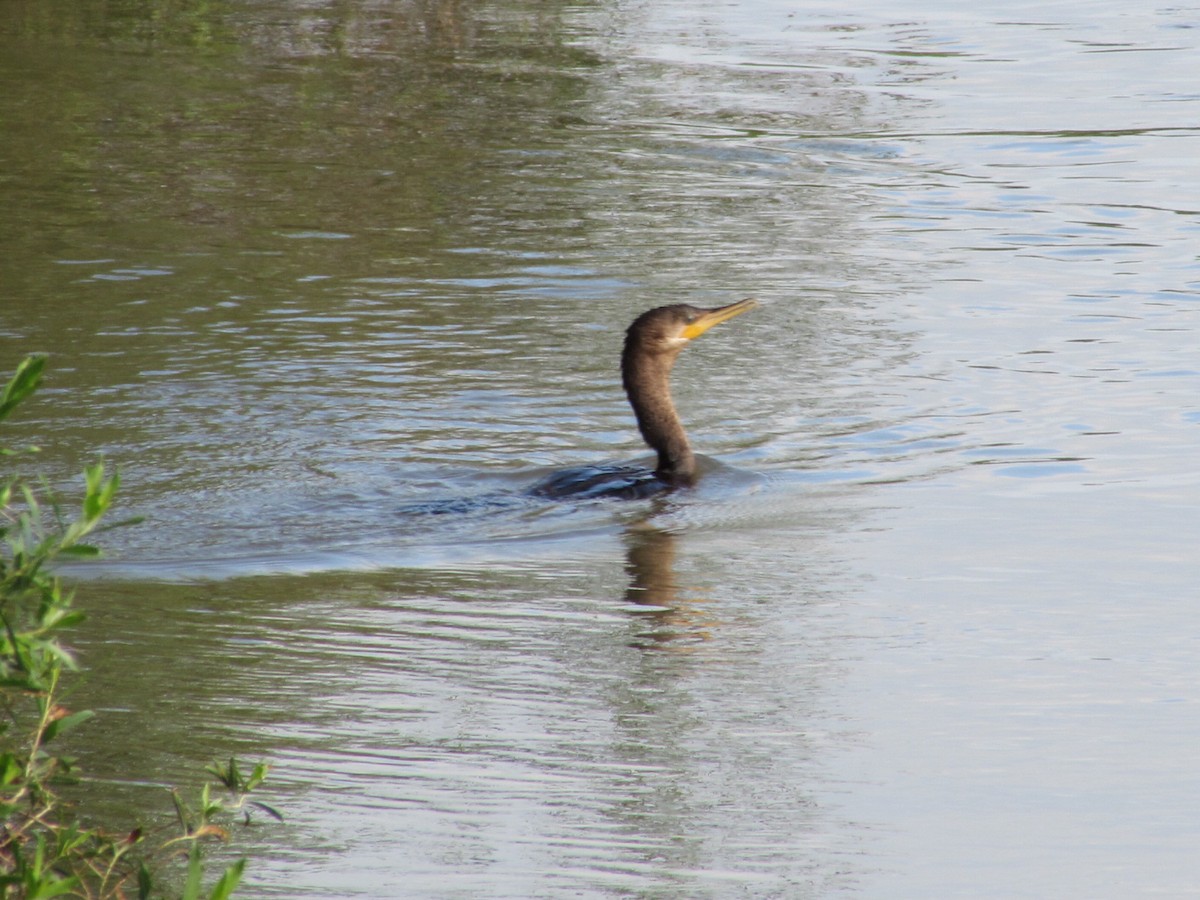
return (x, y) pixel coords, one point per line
(716, 317)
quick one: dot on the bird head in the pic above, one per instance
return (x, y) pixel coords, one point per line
(668, 329)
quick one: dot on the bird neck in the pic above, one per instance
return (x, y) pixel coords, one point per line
(648, 386)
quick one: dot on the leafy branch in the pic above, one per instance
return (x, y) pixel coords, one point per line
(44, 851)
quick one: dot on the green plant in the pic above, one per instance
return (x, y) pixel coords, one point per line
(44, 851)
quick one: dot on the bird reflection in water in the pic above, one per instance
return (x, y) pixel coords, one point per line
(677, 618)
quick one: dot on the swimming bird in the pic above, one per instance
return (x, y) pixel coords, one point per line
(652, 344)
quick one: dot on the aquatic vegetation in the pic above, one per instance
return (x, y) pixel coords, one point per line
(45, 851)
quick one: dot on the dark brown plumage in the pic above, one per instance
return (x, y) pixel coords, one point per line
(652, 344)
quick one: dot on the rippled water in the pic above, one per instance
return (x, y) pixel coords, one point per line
(926, 628)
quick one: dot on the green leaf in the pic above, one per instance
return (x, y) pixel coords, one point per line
(23, 383)
(191, 887)
(65, 724)
(52, 888)
(100, 490)
(145, 882)
(227, 775)
(64, 618)
(122, 523)
(10, 769)
(19, 684)
(257, 776)
(209, 808)
(182, 812)
(84, 551)
(224, 887)
(269, 810)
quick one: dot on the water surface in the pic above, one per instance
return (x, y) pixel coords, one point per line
(926, 629)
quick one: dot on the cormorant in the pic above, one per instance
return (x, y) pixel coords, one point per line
(652, 344)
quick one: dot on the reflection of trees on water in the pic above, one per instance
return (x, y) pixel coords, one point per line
(402, 121)
(368, 29)
(674, 613)
(283, 28)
